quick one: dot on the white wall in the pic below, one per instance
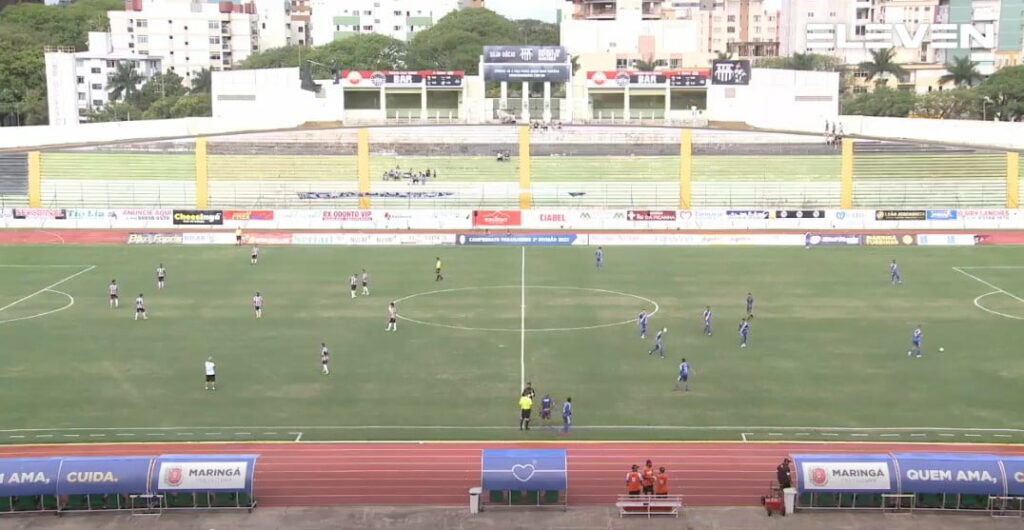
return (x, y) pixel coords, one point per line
(778, 99)
(61, 91)
(1005, 135)
(274, 94)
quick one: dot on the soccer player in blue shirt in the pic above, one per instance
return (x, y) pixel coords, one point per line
(894, 273)
(641, 320)
(599, 256)
(744, 331)
(707, 320)
(566, 415)
(545, 407)
(916, 342)
(684, 376)
(658, 347)
(750, 304)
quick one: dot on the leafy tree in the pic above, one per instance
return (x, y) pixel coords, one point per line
(115, 112)
(161, 109)
(536, 32)
(802, 61)
(457, 40)
(284, 57)
(882, 102)
(160, 86)
(1004, 93)
(193, 105)
(882, 64)
(363, 52)
(124, 82)
(723, 56)
(202, 82)
(961, 103)
(962, 72)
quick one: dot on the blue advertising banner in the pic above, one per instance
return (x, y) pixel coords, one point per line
(524, 470)
(940, 215)
(199, 473)
(1014, 468)
(519, 240)
(949, 473)
(98, 475)
(21, 477)
(844, 473)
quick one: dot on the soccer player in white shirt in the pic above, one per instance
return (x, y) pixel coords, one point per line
(366, 283)
(112, 289)
(392, 318)
(161, 273)
(353, 281)
(257, 304)
(325, 357)
(140, 308)
(211, 373)
(255, 255)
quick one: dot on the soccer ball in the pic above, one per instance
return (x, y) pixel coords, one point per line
(909, 353)
(664, 330)
(942, 349)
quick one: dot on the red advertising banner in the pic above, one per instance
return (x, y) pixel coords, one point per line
(248, 215)
(651, 215)
(497, 218)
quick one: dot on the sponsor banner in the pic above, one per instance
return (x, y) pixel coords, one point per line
(203, 473)
(672, 239)
(552, 73)
(267, 238)
(524, 469)
(988, 215)
(386, 78)
(799, 214)
(730, 72)
(889, 240)
(317, 195)
(208, 238)
(39, 213)
(373, 239)
(147, 238)
(651, 215)
(517, 239)
(249, 215)
(834, 240)
(940, 215)
(633, 79)
(484, 218)
(96, 475)
(90, 214)
(747, 214)
(841, 473)
(147, 215)
(347, 216)
(525, 54)
(21, 477)
(1014, 468)
(852, 215)
(949, 473)
(900, 215)
(198, 217)
(946, 240)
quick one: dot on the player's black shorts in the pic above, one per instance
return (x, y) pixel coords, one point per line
(364, 284)
(258, 308)
(159, 278)
(353, 286)
(439, 271)
(140, 309)
(526, 414)
(649, 490)
(113, 297)
(391, 320)
(238, 238)
(254, 256)
(210, 378)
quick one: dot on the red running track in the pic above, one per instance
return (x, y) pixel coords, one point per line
(439, 474)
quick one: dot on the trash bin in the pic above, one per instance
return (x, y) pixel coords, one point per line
(789, 499)
(474, 499)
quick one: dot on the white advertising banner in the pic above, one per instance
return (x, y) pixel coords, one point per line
(199, 476)
(670, 239)
(208, 238)
(845, 476)
(373, 239)
(946, 240)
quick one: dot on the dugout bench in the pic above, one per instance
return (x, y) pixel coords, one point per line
(649, 505)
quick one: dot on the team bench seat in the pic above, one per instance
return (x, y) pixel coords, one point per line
(649, 506)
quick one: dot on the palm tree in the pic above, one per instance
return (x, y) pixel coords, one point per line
(882, 64)
(645, 65)
(723, 56)
(202, 82)
(124, 82)
(963, 71)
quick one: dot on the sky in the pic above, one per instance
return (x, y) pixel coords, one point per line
(538, 9)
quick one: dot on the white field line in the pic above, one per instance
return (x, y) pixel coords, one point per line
(996, 287)
(522, 323)
(23, 266)
(998, 290)
(299, 437)
(296, 429)
(48, 287)
(71, 302)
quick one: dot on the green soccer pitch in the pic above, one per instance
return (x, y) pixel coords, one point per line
(827, 358)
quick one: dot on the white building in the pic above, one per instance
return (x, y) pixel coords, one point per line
(273, 20)
(78, 82)
(336, 19)
(188, 35)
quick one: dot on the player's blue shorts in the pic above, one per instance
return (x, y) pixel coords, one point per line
(684, 377)
(917, 342)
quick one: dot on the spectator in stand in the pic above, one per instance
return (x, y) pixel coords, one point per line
(661, 483)
(782, 474)
(648, 478)
(634, 482)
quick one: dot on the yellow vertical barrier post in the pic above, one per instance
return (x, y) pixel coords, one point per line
(363, 168)
(685, 169)
(35, 179)
(846, 176)
(202, 175)
(525, 191)
(1013, 180)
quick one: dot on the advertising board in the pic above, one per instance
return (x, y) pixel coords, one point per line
(949, 473)
(840, 473)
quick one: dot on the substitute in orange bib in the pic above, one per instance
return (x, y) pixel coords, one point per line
(634, 481)
(648, 478)
(661, 483)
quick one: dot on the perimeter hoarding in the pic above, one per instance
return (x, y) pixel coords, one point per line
(198, 473)
(950, 473)
(1014, 469)
(102, 475)
(524, 470)
(845, 473)
(21, 477)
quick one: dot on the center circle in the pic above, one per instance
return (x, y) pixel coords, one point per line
(453, 309)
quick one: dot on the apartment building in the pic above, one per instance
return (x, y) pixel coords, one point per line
(401, 19)
(77, 82)
(187, 35)
(744, 29)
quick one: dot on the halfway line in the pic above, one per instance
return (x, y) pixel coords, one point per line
(522, 324)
